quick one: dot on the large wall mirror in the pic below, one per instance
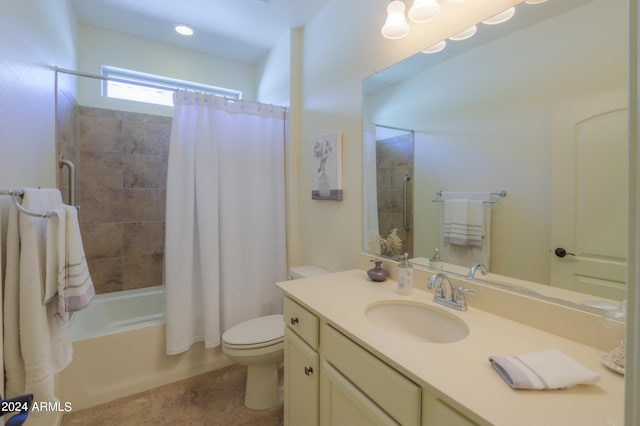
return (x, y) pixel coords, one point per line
(535, 107)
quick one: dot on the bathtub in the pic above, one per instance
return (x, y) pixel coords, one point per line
(119, 350)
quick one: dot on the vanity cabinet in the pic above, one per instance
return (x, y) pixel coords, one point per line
(378, 393)
(331, 380)
(301, 365)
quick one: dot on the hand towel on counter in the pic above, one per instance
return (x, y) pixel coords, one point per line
(463, 222)
(548, 369)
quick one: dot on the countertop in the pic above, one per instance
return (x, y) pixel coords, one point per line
(460, 371)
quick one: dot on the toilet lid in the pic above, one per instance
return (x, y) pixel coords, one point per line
(257, 330)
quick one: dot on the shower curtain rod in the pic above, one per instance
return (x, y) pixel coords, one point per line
(140, 83)
(393, 128)
(116, 79)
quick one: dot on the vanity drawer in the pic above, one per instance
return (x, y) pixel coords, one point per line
(394, 393)
(301, 321)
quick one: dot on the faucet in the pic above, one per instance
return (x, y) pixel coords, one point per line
(474, 268)
(444, 295)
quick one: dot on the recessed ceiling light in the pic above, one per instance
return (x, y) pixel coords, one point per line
(184, 30)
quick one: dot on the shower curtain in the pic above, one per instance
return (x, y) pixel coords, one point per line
(225, 245)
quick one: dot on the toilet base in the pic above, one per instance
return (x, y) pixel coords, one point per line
(262, 387)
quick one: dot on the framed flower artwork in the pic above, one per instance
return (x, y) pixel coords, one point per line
(327, 167)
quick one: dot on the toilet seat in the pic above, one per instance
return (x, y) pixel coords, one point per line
(255, 333)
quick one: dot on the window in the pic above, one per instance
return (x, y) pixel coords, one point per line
(154, 89)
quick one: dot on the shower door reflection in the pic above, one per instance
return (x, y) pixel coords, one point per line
(394, 171)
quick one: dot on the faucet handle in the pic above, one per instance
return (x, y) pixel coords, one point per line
(460, 294)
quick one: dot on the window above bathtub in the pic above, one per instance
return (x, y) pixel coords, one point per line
(131, 85)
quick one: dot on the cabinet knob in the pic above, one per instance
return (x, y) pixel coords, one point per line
(294, 320)
(308, 371)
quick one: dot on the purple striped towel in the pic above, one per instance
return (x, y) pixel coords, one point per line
(548, 369)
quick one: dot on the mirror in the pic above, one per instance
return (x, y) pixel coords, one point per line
(535, 107)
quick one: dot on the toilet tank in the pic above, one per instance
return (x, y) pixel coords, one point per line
(306, 271)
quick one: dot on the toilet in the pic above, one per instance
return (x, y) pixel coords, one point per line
(259, 344)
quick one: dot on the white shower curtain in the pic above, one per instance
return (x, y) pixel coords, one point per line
(225, 245)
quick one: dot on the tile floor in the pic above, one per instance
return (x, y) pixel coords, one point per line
(212, 399)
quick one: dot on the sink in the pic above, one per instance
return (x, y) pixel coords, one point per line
(421, 322)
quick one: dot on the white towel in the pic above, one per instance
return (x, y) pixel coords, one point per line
(548, 369)
(75, 287)
(468, 255)
(37, 343)
(463, 222)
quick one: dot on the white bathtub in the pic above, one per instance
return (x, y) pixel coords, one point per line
(118, 312)
(119, 350)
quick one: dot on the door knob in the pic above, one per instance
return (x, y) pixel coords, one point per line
(560, 252)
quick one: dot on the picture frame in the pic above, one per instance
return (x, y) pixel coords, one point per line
(327, 167)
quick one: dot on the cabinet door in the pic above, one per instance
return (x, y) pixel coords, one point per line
(301, 387)
(437, 412)
(342, 404)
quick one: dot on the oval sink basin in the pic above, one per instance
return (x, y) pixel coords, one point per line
(422, 322)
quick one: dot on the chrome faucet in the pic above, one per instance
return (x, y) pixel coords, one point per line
(474, 268)
(444, 295)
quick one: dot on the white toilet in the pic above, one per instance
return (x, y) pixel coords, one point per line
(259, 344)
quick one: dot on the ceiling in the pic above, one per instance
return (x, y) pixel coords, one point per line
(241, 30)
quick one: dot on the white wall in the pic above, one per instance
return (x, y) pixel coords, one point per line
(483, 122)
(34, 36)
(97, 47)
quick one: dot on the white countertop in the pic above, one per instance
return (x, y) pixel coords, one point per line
(461, 370)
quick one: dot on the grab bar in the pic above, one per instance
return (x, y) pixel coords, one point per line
(405, 179)
(72, 180)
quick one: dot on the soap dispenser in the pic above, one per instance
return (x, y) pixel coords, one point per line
(435, 261)
(405, 276)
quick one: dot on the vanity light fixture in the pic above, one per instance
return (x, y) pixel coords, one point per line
(465, 34)
(501, 17)
(396, 25)
(439, 46)
(422, 11)
(183, 30)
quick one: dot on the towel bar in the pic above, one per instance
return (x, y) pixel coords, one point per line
(498, 195)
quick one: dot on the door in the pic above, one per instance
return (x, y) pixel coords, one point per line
(589, 195)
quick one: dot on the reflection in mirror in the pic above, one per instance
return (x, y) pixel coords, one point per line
(392, 151)
(537, 107)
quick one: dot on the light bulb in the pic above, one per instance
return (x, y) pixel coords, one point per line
(396, 25)
(424, 10)
(439, 46)
(501, 17)
(464, 34)
(534, 1)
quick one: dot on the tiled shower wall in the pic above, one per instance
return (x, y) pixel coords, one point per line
(394, 158)
(121, 159)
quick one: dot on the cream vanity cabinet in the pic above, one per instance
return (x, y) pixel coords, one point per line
(351, 386)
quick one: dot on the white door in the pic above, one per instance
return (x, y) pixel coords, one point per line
(589, 196)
